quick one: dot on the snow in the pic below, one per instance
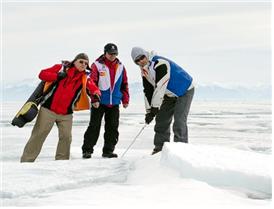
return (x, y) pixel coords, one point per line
(227, 163)
(151, 181)
(219, 166)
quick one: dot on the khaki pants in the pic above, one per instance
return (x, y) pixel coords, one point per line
(41, 129)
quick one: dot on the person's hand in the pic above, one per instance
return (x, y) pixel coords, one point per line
(149, 117)
(154, 110)
(61, 75)
(152, 113)
(95, 104)
(125, 105)
(96, 98)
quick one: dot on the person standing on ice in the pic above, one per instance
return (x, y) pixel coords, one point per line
(69, 85)
(168, 91)
(111, 77)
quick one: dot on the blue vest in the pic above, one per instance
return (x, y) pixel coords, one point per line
(179, 80)
(110, 96)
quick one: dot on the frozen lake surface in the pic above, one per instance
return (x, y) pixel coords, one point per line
(227, 162)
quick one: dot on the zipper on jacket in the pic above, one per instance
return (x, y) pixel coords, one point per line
(110, 96)
(110, 88)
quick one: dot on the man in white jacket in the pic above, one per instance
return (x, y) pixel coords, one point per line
(168, 91)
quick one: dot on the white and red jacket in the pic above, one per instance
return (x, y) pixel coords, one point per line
(111, 78)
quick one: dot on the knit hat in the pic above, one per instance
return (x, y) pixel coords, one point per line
(137, 52)
(81, 56)
(111, 48)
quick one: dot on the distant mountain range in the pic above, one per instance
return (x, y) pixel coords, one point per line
(21, 91)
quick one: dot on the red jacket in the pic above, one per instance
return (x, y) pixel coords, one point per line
(67, 92)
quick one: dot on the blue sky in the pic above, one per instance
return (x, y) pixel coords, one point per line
(226, 43)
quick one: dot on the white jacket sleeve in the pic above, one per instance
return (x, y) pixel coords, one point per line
(162, 76)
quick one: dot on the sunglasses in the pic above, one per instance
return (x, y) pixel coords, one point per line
(113, 54)
(83, 62)
(140, 58)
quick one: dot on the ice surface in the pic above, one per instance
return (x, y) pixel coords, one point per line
(221, 166)
(225, 165)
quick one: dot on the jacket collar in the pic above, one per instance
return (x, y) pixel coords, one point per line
(102, 59)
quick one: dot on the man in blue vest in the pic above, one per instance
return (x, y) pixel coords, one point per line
(168, 91)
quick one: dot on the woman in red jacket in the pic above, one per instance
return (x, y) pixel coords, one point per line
(69, 88)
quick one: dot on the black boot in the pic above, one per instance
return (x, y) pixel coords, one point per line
(109, 155)
(87, 155)
(156, 150)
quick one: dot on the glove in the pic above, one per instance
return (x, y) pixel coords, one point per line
(61, 75)
(66, 63)
(154, 110)
(149, 117)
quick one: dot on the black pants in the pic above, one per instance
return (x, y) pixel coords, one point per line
(175, 109)
(111, 134)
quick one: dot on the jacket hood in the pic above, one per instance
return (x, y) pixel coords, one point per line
(137, 52)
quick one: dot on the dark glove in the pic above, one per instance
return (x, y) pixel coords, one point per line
(154, 110)
(61, 75)
(96, 98)
(150, 116)
(66, 64)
